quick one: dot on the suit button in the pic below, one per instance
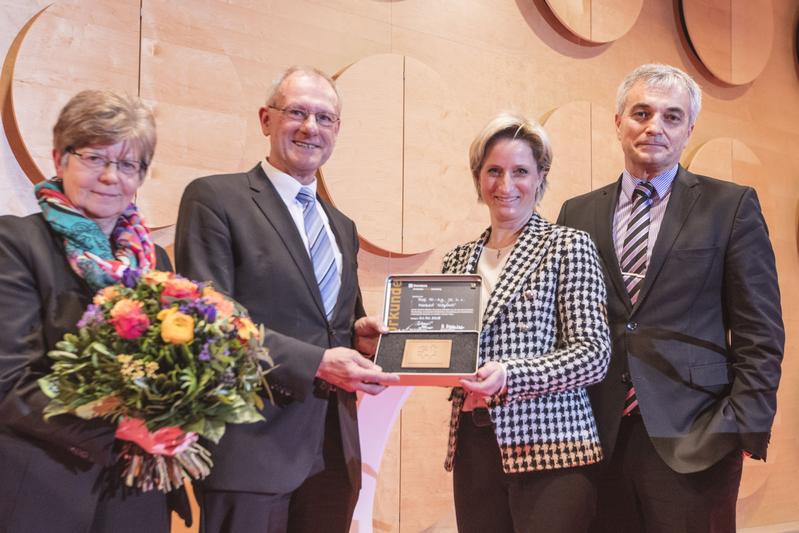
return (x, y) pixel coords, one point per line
(631, 326)
(528, 295)
(625, 378)
(524, 328)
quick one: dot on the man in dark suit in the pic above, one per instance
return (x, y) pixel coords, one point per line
(694, 310)
(266, 239)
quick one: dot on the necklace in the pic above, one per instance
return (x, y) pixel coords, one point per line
(500, 252)
(504, 250)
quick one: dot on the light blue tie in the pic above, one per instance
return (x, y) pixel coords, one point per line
(324, 262)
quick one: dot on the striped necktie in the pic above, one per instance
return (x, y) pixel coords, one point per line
(633, 259)
(633, 253)
(321, 250)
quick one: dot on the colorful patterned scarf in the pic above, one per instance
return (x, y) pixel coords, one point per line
(89, 252)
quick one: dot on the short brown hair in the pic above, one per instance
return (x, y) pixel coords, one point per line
(103, 118)
(512, 126)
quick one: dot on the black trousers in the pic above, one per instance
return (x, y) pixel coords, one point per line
(487, 499)
(639, 493)
(132, 511)
(325, 500)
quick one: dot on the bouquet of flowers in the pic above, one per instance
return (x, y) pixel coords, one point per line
(168, 359)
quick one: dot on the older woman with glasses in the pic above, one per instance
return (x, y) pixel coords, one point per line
(522, 434)
(51, 263)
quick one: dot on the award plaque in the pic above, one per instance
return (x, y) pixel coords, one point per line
(434, 328)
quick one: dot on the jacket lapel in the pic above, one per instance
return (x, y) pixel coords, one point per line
(477, 249)
(271, 205)
(684, 194)
(605, 211)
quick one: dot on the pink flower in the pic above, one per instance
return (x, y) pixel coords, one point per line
(165, 441)
(178, 288)
(129, 321)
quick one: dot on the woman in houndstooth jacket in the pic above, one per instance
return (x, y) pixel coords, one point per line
(522, 434)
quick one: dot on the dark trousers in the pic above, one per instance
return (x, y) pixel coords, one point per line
(487, 499)
(128, 510)
(639, 493)
(324, 502)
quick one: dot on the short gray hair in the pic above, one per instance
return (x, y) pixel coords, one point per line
(274, 89)
(104, 118)
(512, 126)
(662, 77)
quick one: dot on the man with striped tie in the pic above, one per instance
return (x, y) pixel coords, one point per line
(268, 240)
(694, 310)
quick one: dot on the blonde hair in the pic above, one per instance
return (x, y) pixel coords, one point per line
(104, 118)
(512, 126)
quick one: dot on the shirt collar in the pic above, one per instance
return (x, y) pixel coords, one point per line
(662, 182)
(287, 187)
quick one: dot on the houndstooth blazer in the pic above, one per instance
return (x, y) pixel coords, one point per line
(546, 321)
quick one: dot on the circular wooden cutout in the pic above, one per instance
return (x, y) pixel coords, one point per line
(586, 154)
(62, 50)
(732, 38)
(597, 21)
(733, 160)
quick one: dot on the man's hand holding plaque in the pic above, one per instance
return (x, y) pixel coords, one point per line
(366, 335)
(347, 369)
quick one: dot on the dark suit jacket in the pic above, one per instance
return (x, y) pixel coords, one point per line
(48, 470)
(236, 231)
(704, 342)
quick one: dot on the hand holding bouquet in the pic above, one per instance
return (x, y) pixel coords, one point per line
(168, 359)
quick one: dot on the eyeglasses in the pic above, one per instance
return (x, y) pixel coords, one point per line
(323, 118)
(98, 162)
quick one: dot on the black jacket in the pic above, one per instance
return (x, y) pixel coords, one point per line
(50, 470)
(704, 342)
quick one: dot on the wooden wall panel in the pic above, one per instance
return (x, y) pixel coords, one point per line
(425, 488)
(401, 170)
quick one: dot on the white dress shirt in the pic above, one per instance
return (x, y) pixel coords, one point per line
(288, 187)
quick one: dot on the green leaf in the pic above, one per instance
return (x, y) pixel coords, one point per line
(54, 409)
(61, 355)
(195, 427)
(101, 348)
(49, 386)
(213, 430)
(246, 414)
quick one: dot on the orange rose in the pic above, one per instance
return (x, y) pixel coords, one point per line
(224, 306)
(246, 329)
(176, 327)
(154, 277)
(129, 321)
(104, 295)
(179, 288)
